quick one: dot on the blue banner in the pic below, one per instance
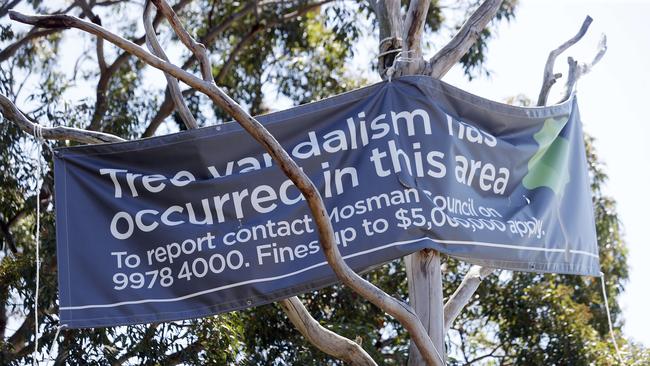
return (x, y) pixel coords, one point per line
(203, 221)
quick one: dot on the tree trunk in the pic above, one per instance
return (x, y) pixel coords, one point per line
(425, 294)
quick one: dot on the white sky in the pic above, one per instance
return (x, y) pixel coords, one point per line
(612, 99)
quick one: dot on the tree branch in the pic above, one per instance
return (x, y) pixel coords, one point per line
(576, 71)
(198, 49)
(453, 51)
(101, 101)
(33, 34)
(12, 113)
(324, 339)
(549, 77)
(166, 108)
(464, 293)
(400, 310)
(173, 87)
(390, 32)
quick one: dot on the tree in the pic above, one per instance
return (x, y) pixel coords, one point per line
(251, 43)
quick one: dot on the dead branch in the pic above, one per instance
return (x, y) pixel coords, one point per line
(464, 293)
(173, 87)
(576, 70)
(324, 339)
(549, 77)
(401, 311)
(453, 51)
(12, 113)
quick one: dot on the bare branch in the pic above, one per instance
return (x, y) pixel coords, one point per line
(101, 102)
(412, 36)
(12, 113)
(88, 12)
(400, 310)
(324, 339)
(453, 51)
(172, 84)
(464, 293)
(197, 49)
(576, 71)
(166, 108)
(549, 77)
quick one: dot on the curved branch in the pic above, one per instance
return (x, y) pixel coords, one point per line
(12, 113)
(396, 308)
(197, 49)
(33, 34)
(453, 51)
(101, 101)
(324, 339)
(576, 71)
(549, 77)
(173, 87)
(166, 108)
(464, 293)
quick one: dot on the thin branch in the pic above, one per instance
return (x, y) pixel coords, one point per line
(197, 49)
(88, 12)
(33, 34)
(453, 51)
(464, 293)
(12, 113)
(576, 71)
(549, 77)
(101, 101)
(324, 339)
(173, 87)
(400, 310)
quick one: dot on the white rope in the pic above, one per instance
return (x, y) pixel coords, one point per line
(391, 70)
(38, 133)
(609, 319)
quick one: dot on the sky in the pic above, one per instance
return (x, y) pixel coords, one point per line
(612, 99)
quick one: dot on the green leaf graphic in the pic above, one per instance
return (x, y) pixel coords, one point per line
(549, 167)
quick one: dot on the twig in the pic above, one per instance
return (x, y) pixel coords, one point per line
(549, 77)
